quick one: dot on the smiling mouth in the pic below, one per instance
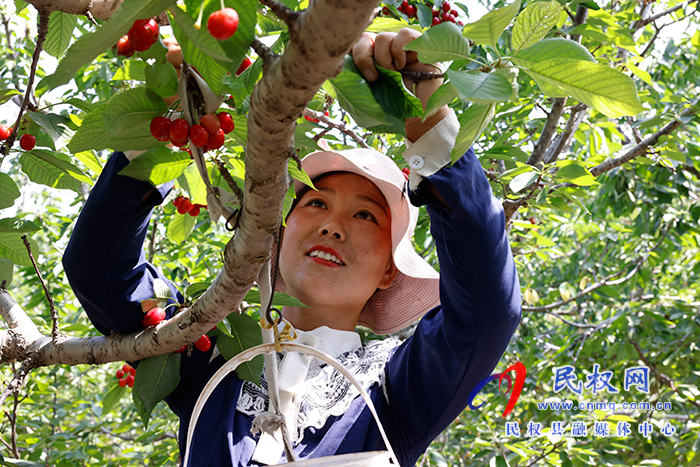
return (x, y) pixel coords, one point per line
(327, 256)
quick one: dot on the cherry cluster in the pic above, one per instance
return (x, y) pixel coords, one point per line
(184, 205)
(26, 141)
(203, 344)
(209, 134)
(440, 14)
(315, 120)
(142, 35)
(125, 375)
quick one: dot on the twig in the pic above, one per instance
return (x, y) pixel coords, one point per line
(41, 36)
(663, 379)
(605, 281)
(652, 40)
(579, 19)
(18, 380)
(263, 52)
(55, 333)
(336, 124)
(284, 13)
(229, 180)
(643, 22)
(563, 139)
(545, 454)
(418, 76)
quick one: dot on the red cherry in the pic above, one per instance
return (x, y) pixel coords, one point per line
(203, 343)
(210, 122)
(216, 140)
(181, 349)
(124, 47)
(177, 202)
(130, 381)
(406, 172)
(447, 17)
(181, 209)
(436, 21)
(122, 382)
(119, 374)
(446, 7)
(5, 132)
(179, 131)
(222, 24)
(436, 13)
(199, 135)
(403, 6)
(532, 221)
(386, 11)
(154, 317)
(411, 11)
(186, 205)
(226, 122)
(454, 13)
(160, 128)
(27, 142)
(132, 371)
(194, 212)
(126, 368)
(143, 34)
(327, 114)
(245, 64)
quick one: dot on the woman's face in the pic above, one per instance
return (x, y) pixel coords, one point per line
(336, 249)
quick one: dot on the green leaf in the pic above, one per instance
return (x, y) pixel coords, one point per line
(522, 180)
(533, 23)
(199, 37)
(244, 334)
(158, 165)
(472, 122)
(60, 33)
(547, 49)
(482, 87)
(59, 127)
(156, 377)
(211, 69)
(440, 43)
(355, 96)
(300, 174)
(6, 270)
(132, 109)
(45, 168)
(384, 24)
(180, 227)
(605, 89)
(442, 96)
(132, 70)
(8, 191)
(7, 94)
(197, 289)
(280, 299)
(21, 463)
(89, 46)
(90, 160)
(161, 77)
(575, 172)
(192, 183)
(391, 94)
(11, 245)
(488, 29)
(113, 396)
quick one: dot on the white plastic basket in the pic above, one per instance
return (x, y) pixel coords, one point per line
(361, 459)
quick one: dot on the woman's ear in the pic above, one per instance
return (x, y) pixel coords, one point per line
(389, 276)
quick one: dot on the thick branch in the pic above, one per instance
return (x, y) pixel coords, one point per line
(102, 9)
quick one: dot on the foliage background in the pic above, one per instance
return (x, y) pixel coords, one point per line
(639, 221)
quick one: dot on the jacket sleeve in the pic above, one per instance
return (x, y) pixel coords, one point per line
(105, 262)
(459, 343)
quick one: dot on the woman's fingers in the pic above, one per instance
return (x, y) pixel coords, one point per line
(400, 56)
(363, 55)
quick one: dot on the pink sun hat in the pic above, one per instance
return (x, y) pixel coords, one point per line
(415, 290)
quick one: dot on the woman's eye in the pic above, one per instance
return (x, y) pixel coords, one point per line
(365, 215)
(317, 203)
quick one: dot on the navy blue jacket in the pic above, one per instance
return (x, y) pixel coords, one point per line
(428, 378)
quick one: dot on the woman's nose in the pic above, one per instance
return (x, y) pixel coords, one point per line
(333, 228)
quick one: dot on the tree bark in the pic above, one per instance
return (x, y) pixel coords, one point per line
(321, 36)
(102, 9)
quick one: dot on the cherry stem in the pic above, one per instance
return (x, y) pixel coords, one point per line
(223, 6)
(198, 23)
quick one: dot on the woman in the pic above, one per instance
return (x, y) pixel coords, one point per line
(346, 253)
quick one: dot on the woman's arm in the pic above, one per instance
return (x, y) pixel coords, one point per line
(105, 262)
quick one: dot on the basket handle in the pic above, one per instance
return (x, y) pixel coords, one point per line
(252, 352)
